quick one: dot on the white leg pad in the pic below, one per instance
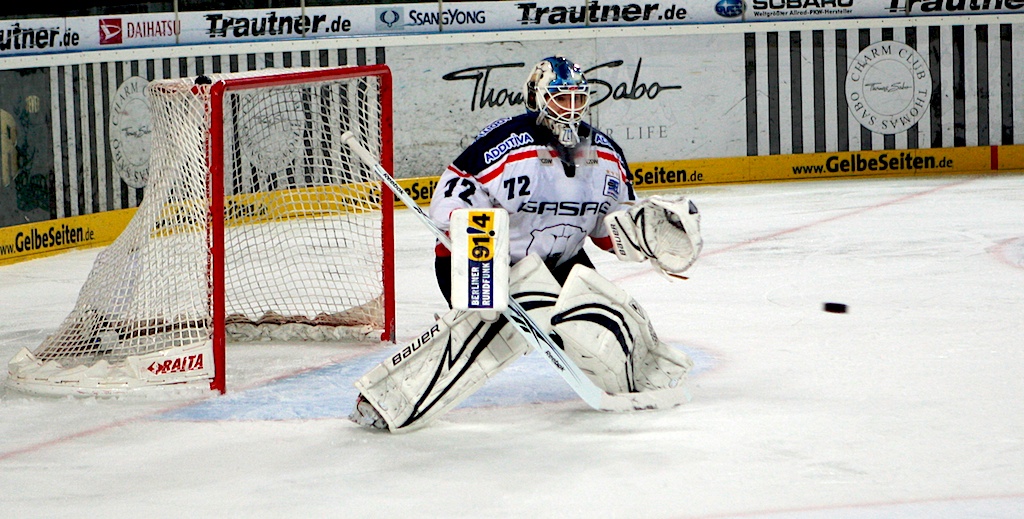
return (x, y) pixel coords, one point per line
(609, 336)
(454, 358)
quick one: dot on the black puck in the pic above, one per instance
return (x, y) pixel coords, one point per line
(203, 80)
(835, 308)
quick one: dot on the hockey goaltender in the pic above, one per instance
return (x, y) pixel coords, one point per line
(560, 180)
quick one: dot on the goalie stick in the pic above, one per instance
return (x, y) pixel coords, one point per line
(594, 396)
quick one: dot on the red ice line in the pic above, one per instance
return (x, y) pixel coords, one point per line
(839, 216)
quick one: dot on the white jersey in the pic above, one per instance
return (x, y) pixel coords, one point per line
(555, 197)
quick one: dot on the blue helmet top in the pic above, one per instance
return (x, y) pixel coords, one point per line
(557, 89)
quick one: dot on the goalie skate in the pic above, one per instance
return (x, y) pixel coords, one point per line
(364, 414)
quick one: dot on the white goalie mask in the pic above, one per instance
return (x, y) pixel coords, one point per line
(557, 90)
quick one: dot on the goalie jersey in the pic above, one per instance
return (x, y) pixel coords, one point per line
(555, 197)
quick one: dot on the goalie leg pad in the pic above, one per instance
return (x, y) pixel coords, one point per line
(439, 369)
(610, 337)
(454, 358)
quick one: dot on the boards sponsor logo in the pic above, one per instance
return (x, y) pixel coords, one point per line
(659, 176)
(129, 132)
(273, 24)
(888, 87)
(114, 31)
(800, 4)
(729, 8)
(904, 161)
(52, 237)
(487, 94)
(110, 31)
(635, 90)
(592, 12)
(420, 191)
(869, 163)
(17, 37)
(269, 141)
(237, 210)
(389, 18)
(773, 8)
(449, 16)
(953, 6)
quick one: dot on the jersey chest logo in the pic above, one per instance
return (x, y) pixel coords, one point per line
(513, 141)
(564, 208)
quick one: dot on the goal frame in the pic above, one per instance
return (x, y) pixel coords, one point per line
(152, 316)
(215, 190)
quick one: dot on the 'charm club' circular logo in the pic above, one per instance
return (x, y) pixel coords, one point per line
(129, 132)
(888, 87)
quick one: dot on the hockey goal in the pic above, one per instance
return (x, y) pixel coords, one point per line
(257, 224)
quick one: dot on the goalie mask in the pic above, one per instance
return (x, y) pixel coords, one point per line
(557, 90)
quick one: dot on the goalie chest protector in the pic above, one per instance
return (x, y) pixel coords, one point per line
(553, 201)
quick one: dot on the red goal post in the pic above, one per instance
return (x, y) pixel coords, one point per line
(257, 224)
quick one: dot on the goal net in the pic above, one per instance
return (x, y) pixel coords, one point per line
(257, 224)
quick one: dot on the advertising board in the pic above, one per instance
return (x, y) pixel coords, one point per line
(690, 107)
(72, 34)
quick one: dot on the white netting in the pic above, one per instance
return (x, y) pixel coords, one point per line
(302, 247)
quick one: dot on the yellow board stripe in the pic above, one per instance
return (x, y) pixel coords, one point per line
(34, 240)
(40, 239)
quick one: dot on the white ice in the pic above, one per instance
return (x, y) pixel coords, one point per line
(910, 405)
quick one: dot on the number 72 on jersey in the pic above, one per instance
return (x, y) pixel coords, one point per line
(480, 259)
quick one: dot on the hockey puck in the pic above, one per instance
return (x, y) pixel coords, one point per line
(203, 80)
(835, 308)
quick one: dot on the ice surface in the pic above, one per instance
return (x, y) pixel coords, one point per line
(910, 405)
